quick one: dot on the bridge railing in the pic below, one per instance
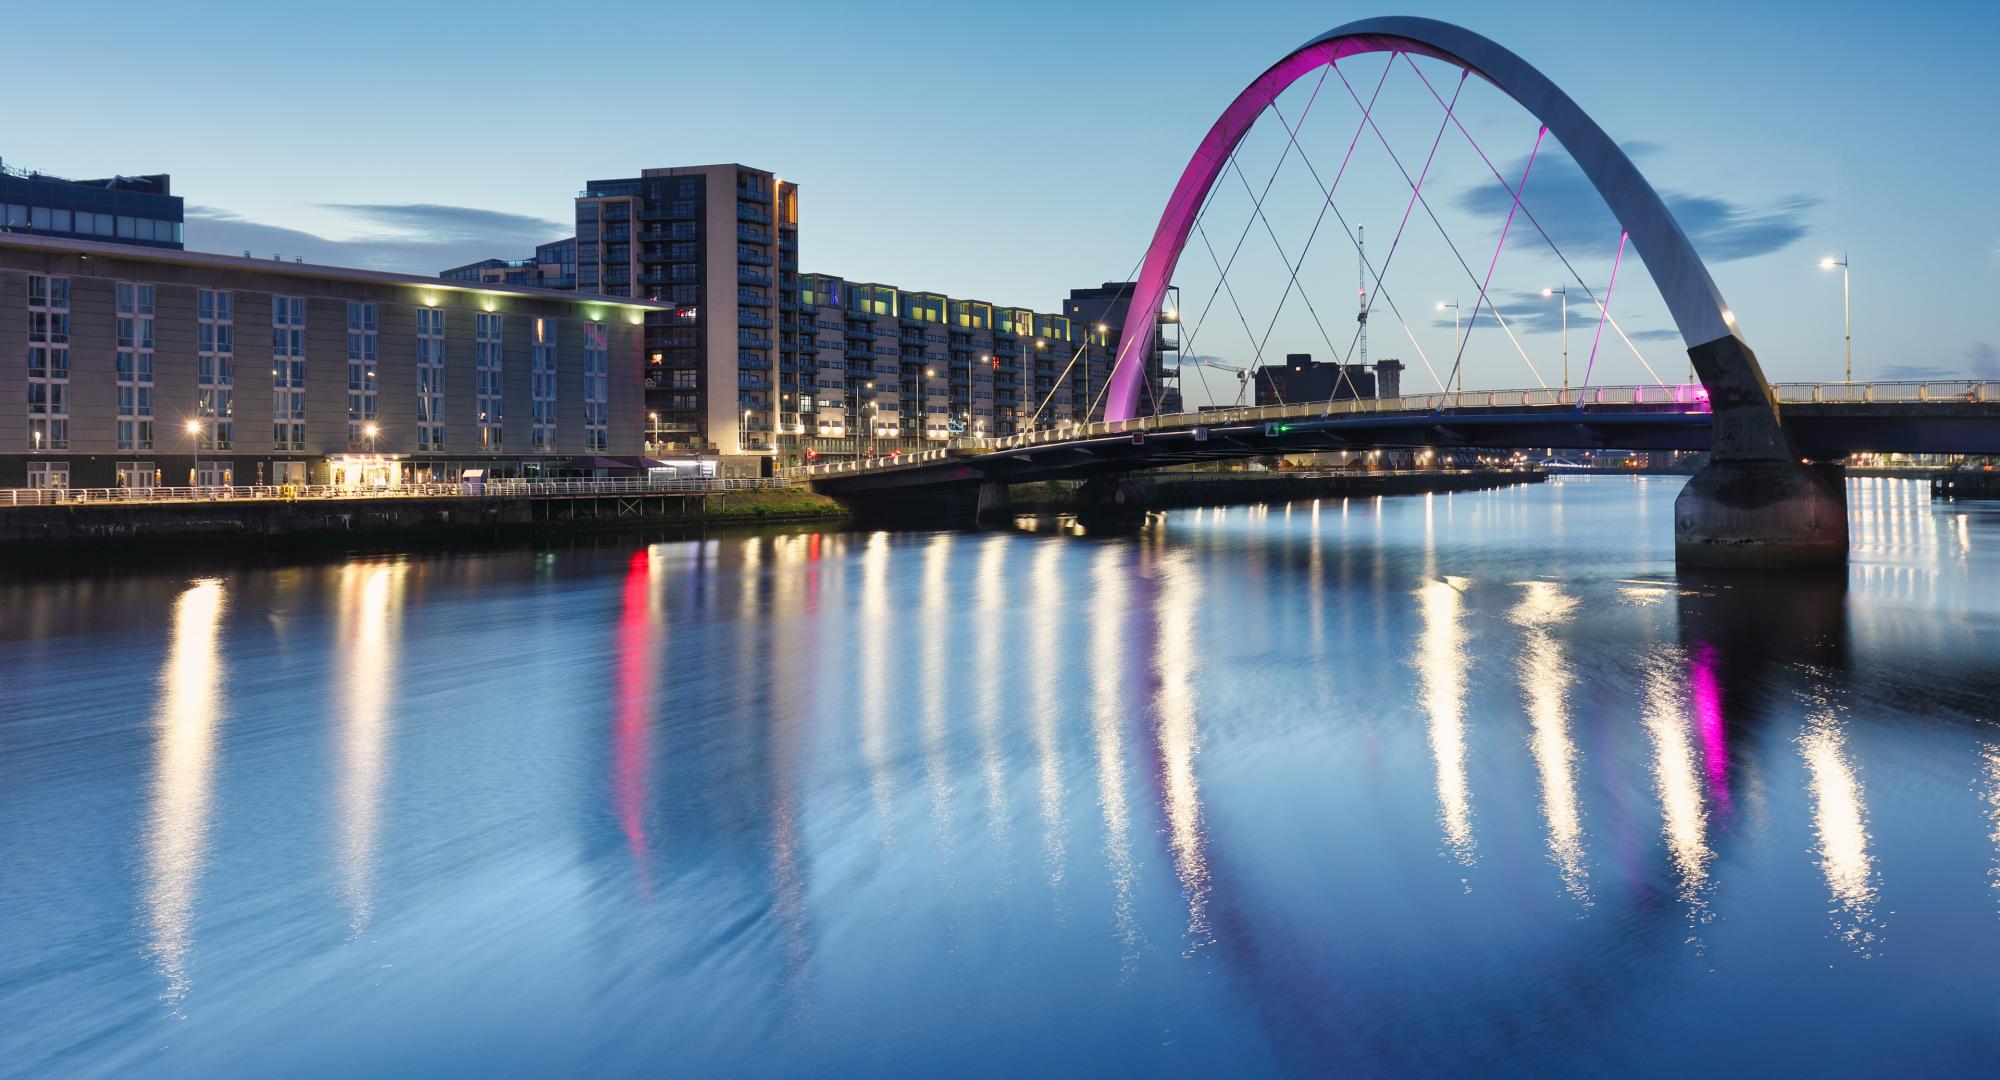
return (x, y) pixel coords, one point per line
(58, 496)
(1901, 390)
(1691, 395)
(1068, 431)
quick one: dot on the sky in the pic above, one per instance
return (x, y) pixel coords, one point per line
(1014, 152)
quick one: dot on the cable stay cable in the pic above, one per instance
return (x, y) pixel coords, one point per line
(1588, 293)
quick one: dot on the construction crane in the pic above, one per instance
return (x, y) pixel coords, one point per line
(1242, 374)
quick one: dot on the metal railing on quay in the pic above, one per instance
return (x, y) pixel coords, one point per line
(58, 496)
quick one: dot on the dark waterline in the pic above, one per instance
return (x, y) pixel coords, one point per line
(1453, 784)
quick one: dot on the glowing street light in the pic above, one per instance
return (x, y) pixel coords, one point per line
(194, 435)
(1846, 312)
(1564, 293)
(1457, 345)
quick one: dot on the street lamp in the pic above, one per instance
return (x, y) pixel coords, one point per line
(1035, 368)
(985, 360)
(194, 435)
(924, 406)
(1564, 293)
(1846, 311)
(1457, 347)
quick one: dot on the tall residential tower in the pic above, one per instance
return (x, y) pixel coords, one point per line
(720, 244)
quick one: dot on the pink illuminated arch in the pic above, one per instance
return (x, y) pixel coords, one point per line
(1726, 365)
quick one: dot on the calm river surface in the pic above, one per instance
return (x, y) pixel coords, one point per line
(1432, 785)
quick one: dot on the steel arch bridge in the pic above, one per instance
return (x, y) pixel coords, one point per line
(1759, 502)
(1746, 423)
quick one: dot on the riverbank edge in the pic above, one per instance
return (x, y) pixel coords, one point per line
(84, 530)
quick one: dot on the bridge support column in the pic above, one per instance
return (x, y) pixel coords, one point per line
(1755, 505)
(994, 505)
(1111, 499)
(1762, 515)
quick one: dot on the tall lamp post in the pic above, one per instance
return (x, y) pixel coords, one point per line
(924, 408)
(194, 436)
(1564, 293)
(1846, 310)
(1455, 346)
(1035, 364)
(1103, 341)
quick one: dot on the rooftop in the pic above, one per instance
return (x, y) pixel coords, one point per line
(171, 256)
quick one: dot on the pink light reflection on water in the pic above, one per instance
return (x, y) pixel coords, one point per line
(1706, 695)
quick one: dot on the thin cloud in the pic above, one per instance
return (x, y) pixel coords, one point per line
(1917, 373)
(1567, 206)
(428, 238)
(1529, 312)
(450, 224)
(1983, 360)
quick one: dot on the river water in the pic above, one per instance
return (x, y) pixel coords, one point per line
(1428, 785)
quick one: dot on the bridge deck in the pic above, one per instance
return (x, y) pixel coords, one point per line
(1827, 420)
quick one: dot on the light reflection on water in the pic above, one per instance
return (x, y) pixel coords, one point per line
(1546, 675)
(368, 595)
(190, 710)
(1197, 800)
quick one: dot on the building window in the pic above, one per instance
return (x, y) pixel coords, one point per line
(430, 378)
(138, 474)
(48, 474)
(135, 366)
(596, 387)
(48, 365)
(361, 376)
(543, 383)
(215, 368)
(288, 373)
(486, 333)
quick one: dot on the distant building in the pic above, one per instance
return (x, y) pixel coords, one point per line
(1301, 378)
(146, 366)
(886, 369)
(140, 210)
(1107, 306)
(553, 267)
(719, 244)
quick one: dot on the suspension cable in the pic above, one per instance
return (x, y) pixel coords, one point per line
(1497, 249)
(1546, 238)
(1445, 234)
(1606, 306)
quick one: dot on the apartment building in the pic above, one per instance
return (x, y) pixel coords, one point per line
(138, 210)
(718, 245)
(886, 370)
(141, 366)
(553, 266)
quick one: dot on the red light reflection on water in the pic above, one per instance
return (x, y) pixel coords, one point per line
(631, 751)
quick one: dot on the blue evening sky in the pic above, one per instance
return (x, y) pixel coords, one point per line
(1015, 151)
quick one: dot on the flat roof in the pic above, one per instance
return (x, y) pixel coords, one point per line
(211, 260)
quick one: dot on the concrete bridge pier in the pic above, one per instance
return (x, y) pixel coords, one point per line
(1756, 505)
(1111, 499)
(1762, 515)
(994, 505)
